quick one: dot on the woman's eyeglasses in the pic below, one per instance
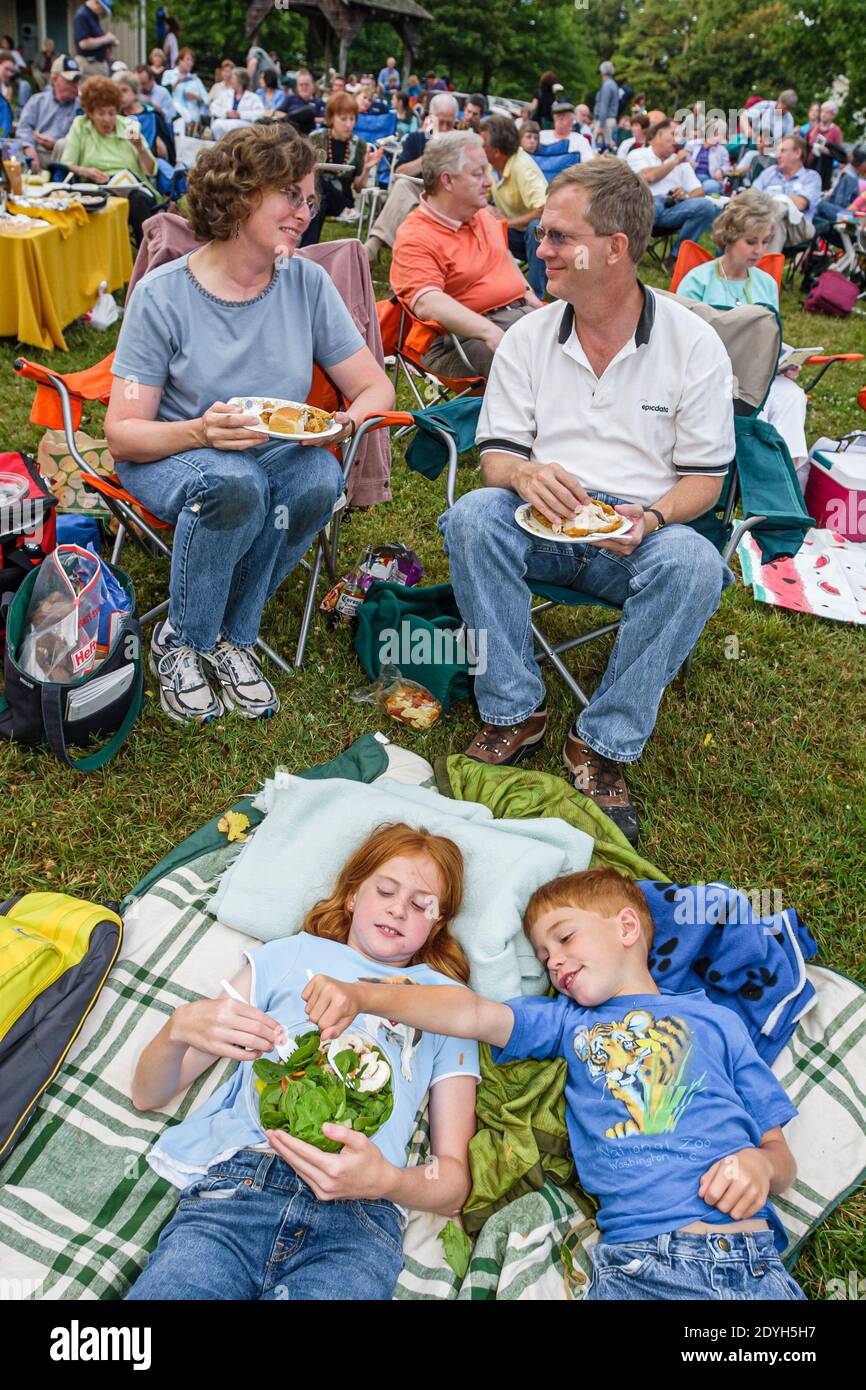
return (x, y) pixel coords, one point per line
(296, 201)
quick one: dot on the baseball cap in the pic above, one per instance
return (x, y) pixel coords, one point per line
(64, 66)
(106, 4)
(564, 105)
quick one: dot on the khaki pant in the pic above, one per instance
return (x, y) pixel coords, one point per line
(403, 195)
(443, 359)
(787, 233)
(92, 67)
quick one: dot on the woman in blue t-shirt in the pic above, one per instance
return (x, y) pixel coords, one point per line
(239, 317)
(263, 1215)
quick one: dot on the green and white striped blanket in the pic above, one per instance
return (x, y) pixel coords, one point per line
(80, 1209)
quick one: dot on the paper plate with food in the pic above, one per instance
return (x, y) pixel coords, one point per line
(595, 521)
(288, 419)
(348, 1081)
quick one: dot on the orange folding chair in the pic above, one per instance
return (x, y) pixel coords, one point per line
(691, 255)
(406, 339)
(58, 403)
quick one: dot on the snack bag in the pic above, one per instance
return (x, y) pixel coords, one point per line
(62, 624)
(405, 701)
(114, 605)
(393, 562)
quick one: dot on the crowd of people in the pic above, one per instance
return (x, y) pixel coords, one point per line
(465, 210)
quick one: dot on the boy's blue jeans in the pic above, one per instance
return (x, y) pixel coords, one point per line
(675, 1266)
(243, 520)
(252, 1229)
(667, 588)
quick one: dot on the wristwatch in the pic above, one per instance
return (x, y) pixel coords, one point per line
(658, 516)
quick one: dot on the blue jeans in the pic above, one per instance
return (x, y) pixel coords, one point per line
(667, 588)
(524, 247)
(252, 1229)
(690, 216)
(676, 1266)
(242, 522)
(710, 185)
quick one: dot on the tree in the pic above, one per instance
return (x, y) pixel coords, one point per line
(504, 45)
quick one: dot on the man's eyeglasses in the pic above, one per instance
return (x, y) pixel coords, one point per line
(296, 201)
(557, 238)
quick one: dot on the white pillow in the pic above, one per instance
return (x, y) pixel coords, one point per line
(312, 827)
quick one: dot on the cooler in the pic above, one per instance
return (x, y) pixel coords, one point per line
(836, 490)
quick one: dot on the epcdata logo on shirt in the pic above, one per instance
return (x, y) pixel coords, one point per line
(656, 409)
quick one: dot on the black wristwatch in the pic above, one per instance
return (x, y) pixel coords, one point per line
(658, 516)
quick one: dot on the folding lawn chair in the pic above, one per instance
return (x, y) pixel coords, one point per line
(375, 128)
(552, 161)
(406, 339)
(761, 483)
(691, 255)
(59, 400)
(661, 243)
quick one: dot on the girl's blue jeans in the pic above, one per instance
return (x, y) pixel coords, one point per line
(252, 1229)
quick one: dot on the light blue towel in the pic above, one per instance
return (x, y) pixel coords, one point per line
(311, 829)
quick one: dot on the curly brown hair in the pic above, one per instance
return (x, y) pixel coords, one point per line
(227, 176)
(97, 92)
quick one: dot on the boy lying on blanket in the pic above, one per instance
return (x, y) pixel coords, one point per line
(674, 1120)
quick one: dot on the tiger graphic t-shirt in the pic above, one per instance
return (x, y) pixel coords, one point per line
(659, 1087)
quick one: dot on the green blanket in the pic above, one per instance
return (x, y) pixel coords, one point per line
(421, 623)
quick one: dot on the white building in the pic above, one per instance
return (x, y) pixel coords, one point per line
(31, 21)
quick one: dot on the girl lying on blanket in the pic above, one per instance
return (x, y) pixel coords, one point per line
(265, 1215)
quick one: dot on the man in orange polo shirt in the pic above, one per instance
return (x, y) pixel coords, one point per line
(451, 264)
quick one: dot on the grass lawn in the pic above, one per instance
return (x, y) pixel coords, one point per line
(756, 773)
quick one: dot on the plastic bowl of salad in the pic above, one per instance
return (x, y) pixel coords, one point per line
(348, 1081)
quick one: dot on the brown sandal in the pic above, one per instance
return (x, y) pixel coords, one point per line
(602, 781)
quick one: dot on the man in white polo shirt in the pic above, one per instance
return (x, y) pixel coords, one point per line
(618, 394)
(678, 197)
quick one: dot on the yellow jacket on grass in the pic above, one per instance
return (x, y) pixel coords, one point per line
(55, 955)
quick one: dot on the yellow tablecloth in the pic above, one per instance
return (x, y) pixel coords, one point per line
(65, 219)
(48, 281)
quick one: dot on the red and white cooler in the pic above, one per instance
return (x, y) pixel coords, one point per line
(836, 490)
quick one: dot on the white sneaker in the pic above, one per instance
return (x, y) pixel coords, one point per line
(184, 691)
(349, 215)
(243, 683)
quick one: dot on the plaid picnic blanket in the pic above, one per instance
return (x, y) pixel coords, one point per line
(80, 1209)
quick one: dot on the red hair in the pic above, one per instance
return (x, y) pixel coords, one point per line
(605, 891)
(331, 918)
